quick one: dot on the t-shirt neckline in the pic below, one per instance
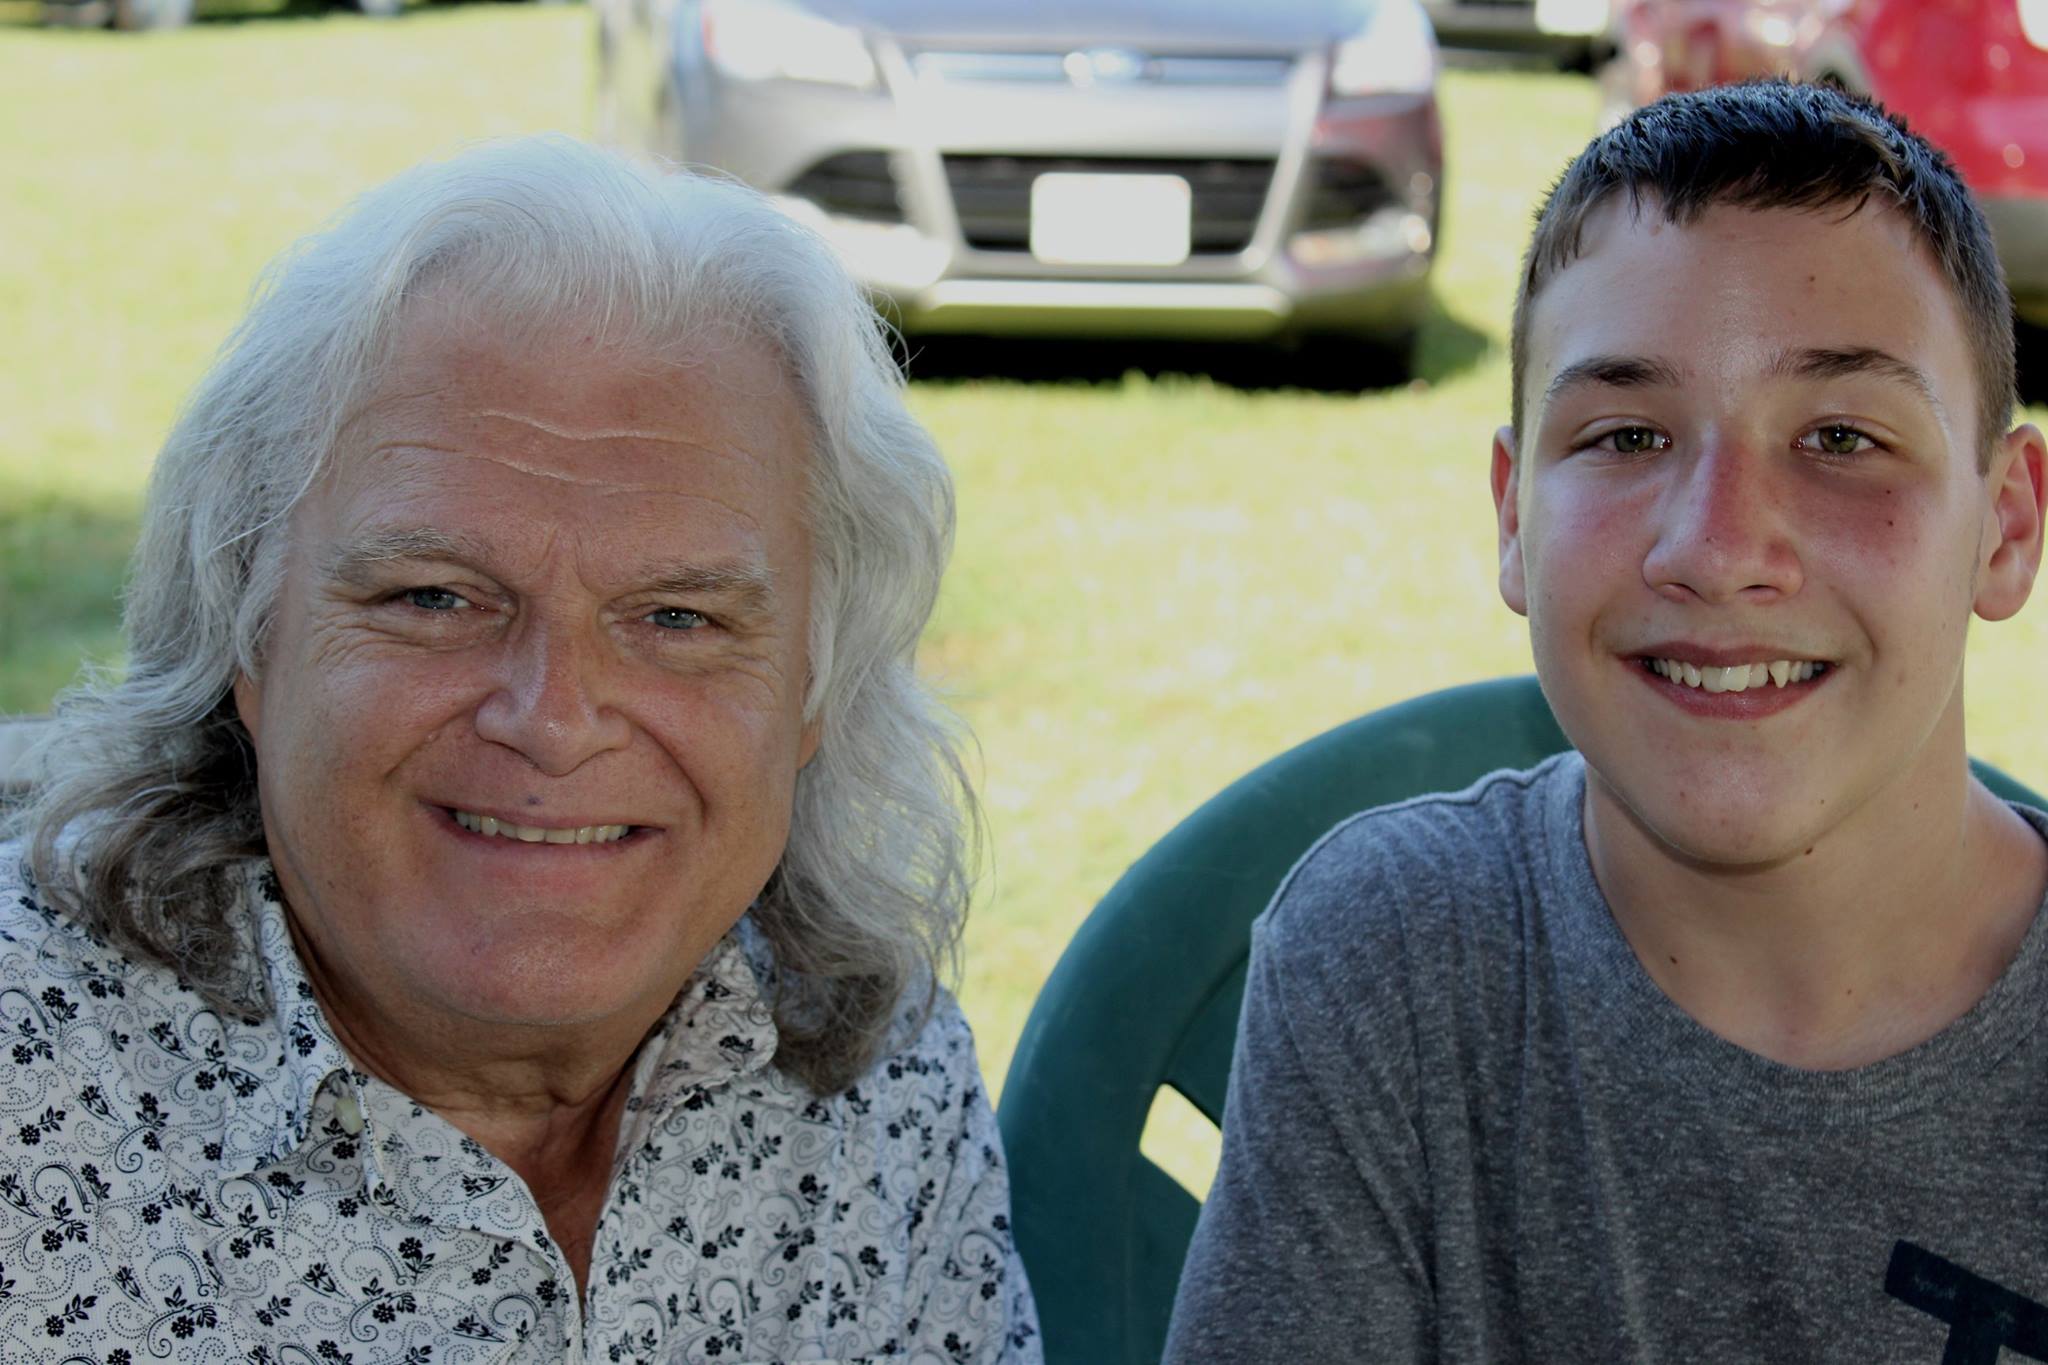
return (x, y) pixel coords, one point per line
(1604, 976)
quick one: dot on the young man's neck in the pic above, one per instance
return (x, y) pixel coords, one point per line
(1891, 928)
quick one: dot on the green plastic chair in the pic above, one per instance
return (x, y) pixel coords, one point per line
(1147, 995)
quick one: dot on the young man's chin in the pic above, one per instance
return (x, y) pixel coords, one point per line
(1733, 821)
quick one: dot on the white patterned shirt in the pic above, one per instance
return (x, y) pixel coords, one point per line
(180, 1184)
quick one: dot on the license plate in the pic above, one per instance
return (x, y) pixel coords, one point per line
(1111, 219)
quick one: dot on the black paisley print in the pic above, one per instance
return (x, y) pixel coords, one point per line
(178, 1184)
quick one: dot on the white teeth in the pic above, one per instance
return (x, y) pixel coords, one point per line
(1736, 677)
(535, 834)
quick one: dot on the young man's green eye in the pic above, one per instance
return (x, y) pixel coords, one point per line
(1837, 439)
(1633, 440)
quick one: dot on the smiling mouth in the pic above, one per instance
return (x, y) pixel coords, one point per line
(493, 828)
(1779, 673)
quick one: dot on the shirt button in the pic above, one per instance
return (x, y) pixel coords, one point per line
(350, 1114)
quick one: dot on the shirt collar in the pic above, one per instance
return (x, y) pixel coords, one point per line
(719, 1030)
(309, 1054)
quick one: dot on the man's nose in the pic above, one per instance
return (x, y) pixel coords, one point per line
(1722, 528)
(552, 700)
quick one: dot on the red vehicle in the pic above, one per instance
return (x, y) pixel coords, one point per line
(1969, 75)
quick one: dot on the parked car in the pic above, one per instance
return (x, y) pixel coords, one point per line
(1172, 168)
(1969, 75)
(1576, 34)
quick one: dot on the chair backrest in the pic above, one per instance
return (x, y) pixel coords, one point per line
(1147, 995)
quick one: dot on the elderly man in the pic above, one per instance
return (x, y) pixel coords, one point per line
(497, 917)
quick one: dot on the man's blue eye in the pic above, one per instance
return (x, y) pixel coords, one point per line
(433, 599)
(676, 618)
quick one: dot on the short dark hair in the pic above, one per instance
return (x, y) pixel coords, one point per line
(1777, 144)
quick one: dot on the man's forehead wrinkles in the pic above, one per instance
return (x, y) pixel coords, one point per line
(557, 475)
(627, 433)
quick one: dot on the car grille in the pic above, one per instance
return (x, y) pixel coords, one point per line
(1342, 193)
(852, 185)
(1082, 68)
(992, 195)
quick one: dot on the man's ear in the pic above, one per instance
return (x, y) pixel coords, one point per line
(2011, 555)
(807, 743)
(249, 704)
(1505, 478)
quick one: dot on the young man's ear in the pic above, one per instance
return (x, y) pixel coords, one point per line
(2011, 555)
(1512, 590)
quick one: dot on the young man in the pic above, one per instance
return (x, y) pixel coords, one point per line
(1718, 1039)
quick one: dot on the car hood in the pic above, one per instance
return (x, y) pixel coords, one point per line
(1219, 26)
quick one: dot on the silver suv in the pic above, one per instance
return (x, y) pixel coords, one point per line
(1184, 168)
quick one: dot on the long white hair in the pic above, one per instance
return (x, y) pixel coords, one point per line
(147, 808)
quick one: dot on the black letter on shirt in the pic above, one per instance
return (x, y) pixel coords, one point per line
(1982, 1316)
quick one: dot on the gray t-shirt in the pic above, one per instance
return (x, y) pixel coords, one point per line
(1465, 1125)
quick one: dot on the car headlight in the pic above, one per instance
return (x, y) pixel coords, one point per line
(2034, 22)
(756, 40)
(1587, 17)
(1394, 54)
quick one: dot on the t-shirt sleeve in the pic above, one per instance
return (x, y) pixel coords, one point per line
(1312, 1244)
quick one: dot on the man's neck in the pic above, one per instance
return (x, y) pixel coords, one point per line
(546, 1101)
(1888, 929)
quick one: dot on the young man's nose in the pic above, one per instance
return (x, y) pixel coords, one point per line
(1722, 532)
(551, 700)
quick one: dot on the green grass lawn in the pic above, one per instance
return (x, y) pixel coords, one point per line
(1160, 582)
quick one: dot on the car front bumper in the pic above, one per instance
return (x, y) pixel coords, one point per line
(1310, 214)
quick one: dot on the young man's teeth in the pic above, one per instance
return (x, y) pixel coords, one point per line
(1739, 677)
(534, 834)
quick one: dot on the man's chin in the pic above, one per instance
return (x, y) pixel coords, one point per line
(534, 964)
(1726, 825)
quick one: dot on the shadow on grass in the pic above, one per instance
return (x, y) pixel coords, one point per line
(211, 12)
(1444, 347)
(61, 568)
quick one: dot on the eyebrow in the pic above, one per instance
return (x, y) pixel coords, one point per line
(1613, 371)
(749, 587)
(1828, 363)
(355, 561)
(746, 586)
(1811, 362)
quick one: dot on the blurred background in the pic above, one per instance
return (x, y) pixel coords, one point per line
(1206, 300)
